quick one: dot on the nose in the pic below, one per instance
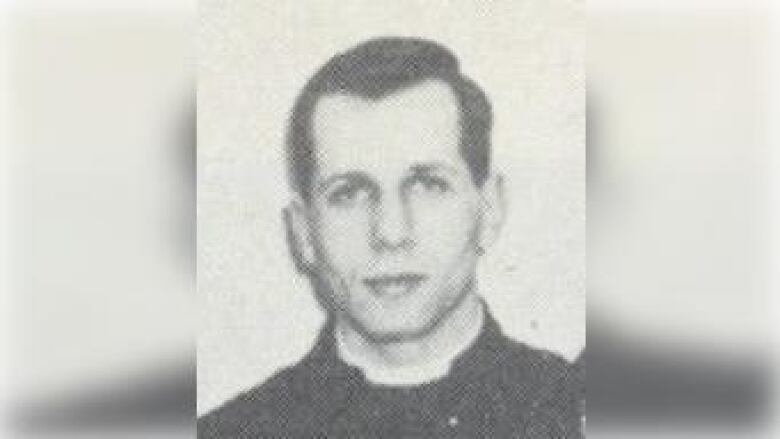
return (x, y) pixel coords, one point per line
(391, 224)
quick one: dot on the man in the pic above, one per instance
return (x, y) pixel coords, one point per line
(395, 200)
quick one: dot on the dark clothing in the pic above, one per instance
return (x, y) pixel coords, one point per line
(497, 388)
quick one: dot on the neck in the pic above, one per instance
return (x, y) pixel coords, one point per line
(422, 358)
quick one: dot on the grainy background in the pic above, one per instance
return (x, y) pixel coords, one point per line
(257, 314)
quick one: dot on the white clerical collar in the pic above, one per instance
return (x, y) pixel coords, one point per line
(406, 376)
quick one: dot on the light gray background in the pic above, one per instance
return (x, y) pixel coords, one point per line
(257, 314)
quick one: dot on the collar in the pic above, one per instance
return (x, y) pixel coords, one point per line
(481, 356)
(409, 376)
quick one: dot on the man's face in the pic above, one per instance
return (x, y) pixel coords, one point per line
(394, 215)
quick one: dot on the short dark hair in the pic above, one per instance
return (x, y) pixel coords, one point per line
(377, 68)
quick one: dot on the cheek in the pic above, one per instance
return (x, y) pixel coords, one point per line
(446, 228)
(343, 236)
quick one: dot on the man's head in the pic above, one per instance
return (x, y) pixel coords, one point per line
(389, 155)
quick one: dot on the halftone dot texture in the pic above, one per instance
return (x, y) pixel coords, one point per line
(254, 59)
(375, 69)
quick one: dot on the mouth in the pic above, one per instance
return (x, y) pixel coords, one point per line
(394, 285)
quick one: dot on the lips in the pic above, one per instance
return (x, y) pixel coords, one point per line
(394, 285)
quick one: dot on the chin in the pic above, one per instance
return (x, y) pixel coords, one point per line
(388, 330)
(409, 318)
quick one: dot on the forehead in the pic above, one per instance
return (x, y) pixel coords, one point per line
(415, 125)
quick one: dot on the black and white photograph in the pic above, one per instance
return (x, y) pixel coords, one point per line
(391, 220)
(367, 219)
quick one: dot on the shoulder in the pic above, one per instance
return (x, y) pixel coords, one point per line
(538, 367)
(546, 388)
(259, 412)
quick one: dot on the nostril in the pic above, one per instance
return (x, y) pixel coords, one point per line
(391, 226)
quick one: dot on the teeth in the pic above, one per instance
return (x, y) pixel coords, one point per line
(394, 288)
(393, 285)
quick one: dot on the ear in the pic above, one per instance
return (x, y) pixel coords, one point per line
(297, 222)
(493, 210)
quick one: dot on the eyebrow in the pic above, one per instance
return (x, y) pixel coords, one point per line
(362, 177)
(354, 176)
(429, 168)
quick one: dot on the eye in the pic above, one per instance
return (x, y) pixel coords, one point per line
(348, 194)
(429, 184)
